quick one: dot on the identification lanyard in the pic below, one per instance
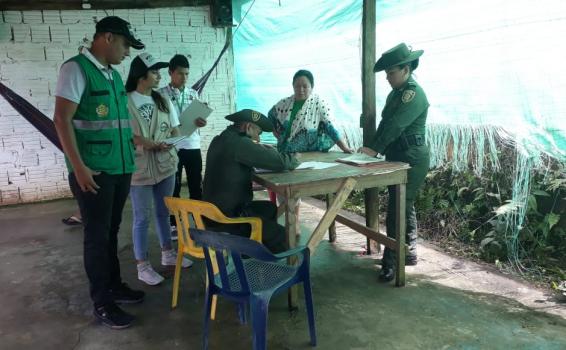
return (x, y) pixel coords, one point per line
(181, 100)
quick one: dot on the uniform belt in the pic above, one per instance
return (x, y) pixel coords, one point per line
(415, 140)
(405, 141)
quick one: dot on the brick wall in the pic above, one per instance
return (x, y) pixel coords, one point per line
(34, 44)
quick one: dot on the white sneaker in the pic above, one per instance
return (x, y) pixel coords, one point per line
(147, 274)
(169, 258)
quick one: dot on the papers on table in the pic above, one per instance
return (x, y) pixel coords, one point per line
(315, 165)
(303, 165)
(187, 119)
(262, 171)
(174, 140)
(360, 159)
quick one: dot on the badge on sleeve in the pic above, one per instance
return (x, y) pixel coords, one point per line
(408, 96)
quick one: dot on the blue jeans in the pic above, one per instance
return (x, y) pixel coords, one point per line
(142, 205)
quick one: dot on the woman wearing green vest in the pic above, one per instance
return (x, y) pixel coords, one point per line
(155, 120)
(401, 137)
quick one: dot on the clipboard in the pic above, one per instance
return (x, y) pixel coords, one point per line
(194, 111)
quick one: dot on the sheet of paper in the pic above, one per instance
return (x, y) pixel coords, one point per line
(187, 119)
(315, 165)
(361, 158)
(174, 140)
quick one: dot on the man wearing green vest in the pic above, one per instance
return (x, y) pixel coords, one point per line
(93, 124)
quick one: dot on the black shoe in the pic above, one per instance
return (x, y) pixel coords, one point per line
(113, 317)
(387, 274)
(410, 260)
(125, 295)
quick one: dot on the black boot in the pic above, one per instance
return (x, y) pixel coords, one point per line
(411, 238)
(411, 260)
(387, 274)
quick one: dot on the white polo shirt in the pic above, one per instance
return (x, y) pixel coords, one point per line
(181, 100)
(72, 82)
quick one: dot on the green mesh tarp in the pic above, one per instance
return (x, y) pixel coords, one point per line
(492, 70)
(486, 63)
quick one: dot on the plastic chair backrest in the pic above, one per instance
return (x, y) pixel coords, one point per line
(183, 209)
(221, 242)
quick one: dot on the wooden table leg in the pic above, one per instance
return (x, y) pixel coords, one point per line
(371, 200)
(400, 234)
(291, 225)
(332, 228)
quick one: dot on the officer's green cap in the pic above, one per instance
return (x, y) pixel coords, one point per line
(400, 54)
(249, 115)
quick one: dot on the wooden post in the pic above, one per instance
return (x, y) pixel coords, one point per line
(367, 121)
(400, 203)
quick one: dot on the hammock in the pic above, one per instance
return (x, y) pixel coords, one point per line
(45, 125)
(33, 115)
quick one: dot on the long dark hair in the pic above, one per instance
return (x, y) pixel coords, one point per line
(160, 102)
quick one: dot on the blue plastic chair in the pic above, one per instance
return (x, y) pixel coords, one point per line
(251, 281)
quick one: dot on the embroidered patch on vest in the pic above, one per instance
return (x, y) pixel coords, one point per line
(163, 127)
(408, 96)
(102, 111)
(256, 116)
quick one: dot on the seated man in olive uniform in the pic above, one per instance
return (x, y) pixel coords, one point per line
(230, 162)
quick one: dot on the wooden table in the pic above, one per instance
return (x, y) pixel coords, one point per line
(340, 180)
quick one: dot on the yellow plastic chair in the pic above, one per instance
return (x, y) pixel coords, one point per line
(183, 209)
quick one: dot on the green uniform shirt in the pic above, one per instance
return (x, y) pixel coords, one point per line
(404, 113)
(230, 160)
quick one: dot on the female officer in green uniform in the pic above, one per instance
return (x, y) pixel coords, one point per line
(401, 137)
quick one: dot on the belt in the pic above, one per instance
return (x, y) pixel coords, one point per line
(405, 141)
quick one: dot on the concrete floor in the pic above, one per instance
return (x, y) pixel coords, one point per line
(45, 303)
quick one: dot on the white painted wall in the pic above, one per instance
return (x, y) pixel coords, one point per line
(34, 44)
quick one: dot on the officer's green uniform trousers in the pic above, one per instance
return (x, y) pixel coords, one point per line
(401, 137)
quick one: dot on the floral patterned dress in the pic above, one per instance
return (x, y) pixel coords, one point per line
(303, 126)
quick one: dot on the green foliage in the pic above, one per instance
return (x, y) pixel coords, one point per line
(467, 211)
(477, 208)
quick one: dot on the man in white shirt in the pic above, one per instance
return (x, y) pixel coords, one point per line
(190, 157)
(94, 128)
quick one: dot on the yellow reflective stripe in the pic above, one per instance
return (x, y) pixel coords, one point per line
(101, 124)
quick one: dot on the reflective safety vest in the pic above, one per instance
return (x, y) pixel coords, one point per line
(102, 123)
